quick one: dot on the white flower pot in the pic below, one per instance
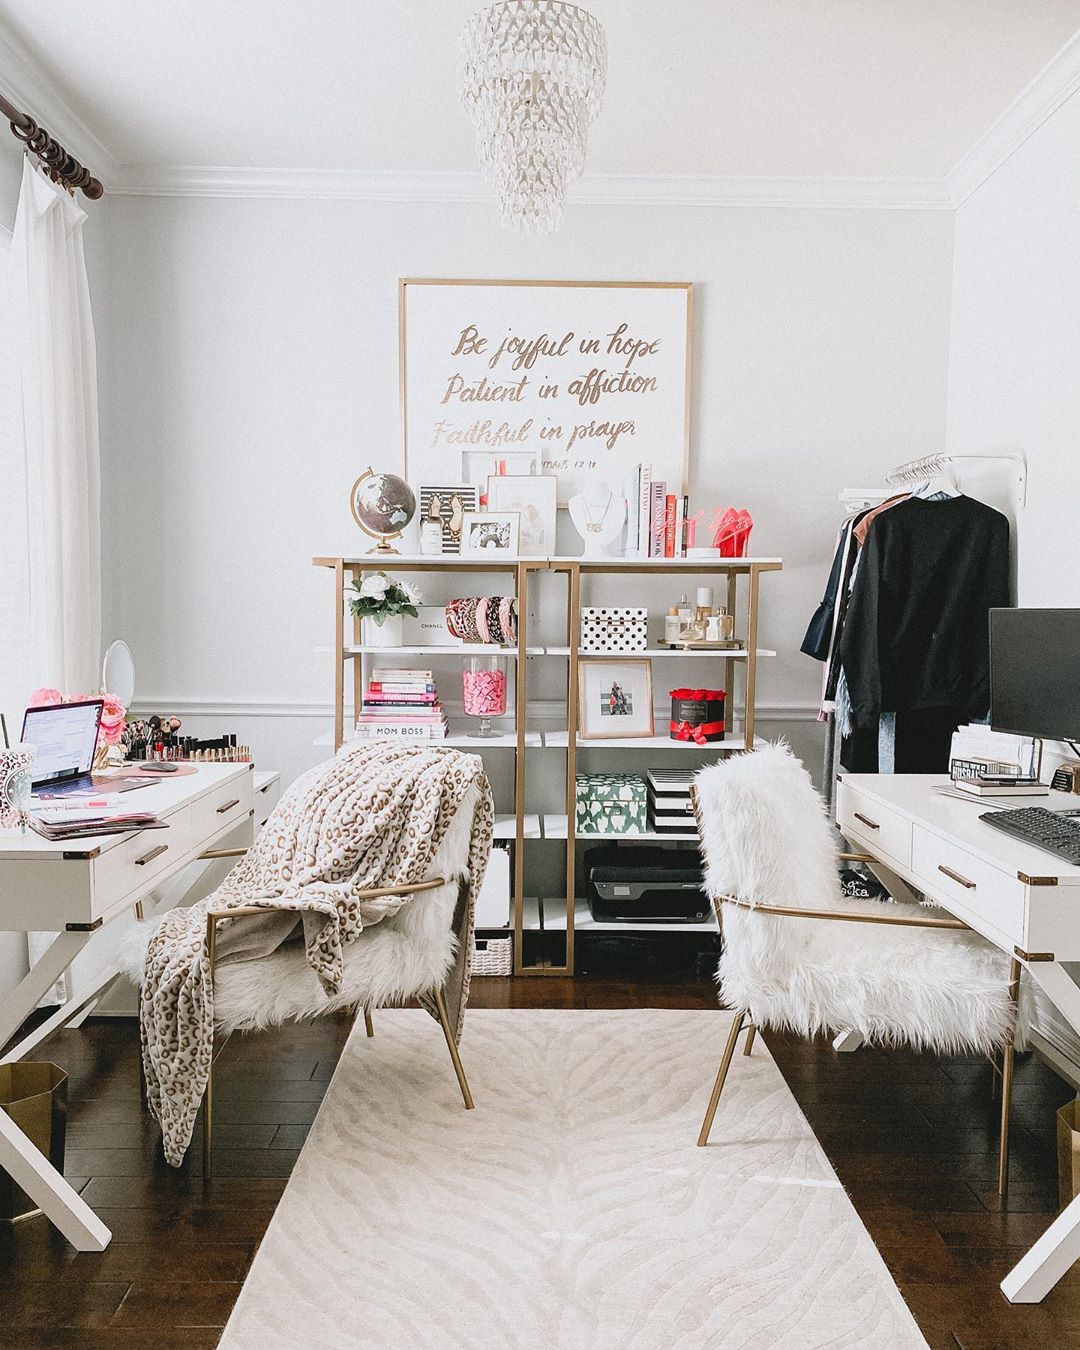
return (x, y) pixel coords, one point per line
(385, 634)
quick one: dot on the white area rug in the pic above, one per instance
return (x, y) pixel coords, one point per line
(571, 1210)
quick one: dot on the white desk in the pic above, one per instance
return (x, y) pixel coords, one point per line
(81, 887)
(1025, 901)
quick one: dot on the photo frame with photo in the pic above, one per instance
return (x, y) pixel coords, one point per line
(490, 532)
(450, 503)
(534, 498)
(614, 699)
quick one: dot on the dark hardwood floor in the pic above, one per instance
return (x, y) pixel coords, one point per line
(911, 1137)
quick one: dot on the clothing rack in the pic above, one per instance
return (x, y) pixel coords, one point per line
(61, 166)
(918, 470)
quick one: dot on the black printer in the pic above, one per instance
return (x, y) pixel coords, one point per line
(638, 883)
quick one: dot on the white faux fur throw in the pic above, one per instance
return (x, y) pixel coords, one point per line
(373, 816)
(767, 839)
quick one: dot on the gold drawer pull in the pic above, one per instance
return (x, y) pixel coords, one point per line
(154, 853)
(955, 876)
(870, 824)
(228, 806)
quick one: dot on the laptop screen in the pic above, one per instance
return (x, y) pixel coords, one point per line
(64, 738)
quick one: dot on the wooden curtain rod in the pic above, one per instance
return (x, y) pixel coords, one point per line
(63, 167)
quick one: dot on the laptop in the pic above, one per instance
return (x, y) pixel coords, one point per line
(64, 737)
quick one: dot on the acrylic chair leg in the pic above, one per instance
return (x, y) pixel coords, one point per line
(208, 1127)
(368, 1024)
(718, 1086)
(451, 1045)
(1007, 1078)
(749, 1045)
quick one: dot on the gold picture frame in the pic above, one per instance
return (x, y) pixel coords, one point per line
(606, 704)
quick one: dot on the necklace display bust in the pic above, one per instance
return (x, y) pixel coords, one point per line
(598, 513)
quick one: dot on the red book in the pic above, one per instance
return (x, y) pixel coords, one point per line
(669, 526)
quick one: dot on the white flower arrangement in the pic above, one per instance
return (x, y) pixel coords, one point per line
(380, 597)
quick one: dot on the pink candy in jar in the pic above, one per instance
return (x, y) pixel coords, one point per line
(484, 689)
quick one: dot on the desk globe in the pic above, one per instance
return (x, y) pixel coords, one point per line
(382, 505)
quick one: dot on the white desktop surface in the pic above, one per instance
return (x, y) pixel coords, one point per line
(163, 795)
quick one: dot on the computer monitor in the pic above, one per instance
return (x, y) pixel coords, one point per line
(1035, 672)
(64, 737)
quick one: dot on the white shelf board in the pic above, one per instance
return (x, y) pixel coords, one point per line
(733, 653)
(554, 740)
(506, 740)
(464, 649)
(506, 827)
(555, 920)
(648, 564)
(555, 828)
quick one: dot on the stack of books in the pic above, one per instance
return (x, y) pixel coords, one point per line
(401, 705)
(657, 517)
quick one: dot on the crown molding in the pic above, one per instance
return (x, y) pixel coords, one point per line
(27, 84)
(914, 194)
(1053, 86)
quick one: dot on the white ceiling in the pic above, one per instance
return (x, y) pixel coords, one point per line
(787, 88)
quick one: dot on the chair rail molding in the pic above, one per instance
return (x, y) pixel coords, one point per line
(222, 707)
(1053, 86)
(904, 194)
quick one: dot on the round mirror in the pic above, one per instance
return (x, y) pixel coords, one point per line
(118, 672)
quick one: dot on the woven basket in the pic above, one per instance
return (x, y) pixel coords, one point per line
(493, 956)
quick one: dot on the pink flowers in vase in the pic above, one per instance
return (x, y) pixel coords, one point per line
(113, 712)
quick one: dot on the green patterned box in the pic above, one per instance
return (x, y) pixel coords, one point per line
(611, 803)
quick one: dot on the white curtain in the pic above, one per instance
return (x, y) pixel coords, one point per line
(60, 447)
(60, 437)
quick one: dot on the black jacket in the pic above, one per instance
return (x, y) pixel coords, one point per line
(916, 633)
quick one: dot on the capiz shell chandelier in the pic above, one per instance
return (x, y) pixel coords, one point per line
(532, 78)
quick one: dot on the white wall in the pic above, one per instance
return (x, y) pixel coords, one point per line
(1014, 370)
(252, 372)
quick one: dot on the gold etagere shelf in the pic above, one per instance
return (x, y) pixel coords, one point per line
(741, 578)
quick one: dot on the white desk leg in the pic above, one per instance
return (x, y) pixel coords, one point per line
(26, 995)
(1039, 1269)
(63, 1206)
(847, 1041)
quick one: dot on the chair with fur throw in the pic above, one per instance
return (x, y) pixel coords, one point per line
(798, 956)
(392, 844)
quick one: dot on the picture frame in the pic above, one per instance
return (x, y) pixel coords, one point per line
(490, 533)
(535, 499)
(615, 698)
(589, 377)
(447, 494)
(477, 466)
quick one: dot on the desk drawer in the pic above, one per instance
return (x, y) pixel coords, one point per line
(981, 892)
(881, 828)
(130, 864)
(223, 807)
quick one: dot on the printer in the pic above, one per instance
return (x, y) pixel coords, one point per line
(638, 883)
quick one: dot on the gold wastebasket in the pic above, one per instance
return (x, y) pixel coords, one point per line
(35, 1097)
(1068, 1137)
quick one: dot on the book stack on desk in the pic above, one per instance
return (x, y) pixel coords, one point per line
(58, 824)
(401, 705)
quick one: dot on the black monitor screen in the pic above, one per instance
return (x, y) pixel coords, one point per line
(1035, 672)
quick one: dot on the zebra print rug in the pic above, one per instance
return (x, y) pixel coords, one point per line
(571, 1210)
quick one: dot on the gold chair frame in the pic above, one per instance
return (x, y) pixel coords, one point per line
(742, 1018)
(215, 916)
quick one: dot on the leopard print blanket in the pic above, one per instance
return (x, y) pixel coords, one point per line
(372, 816)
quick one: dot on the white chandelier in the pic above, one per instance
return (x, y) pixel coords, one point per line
(532, 78)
